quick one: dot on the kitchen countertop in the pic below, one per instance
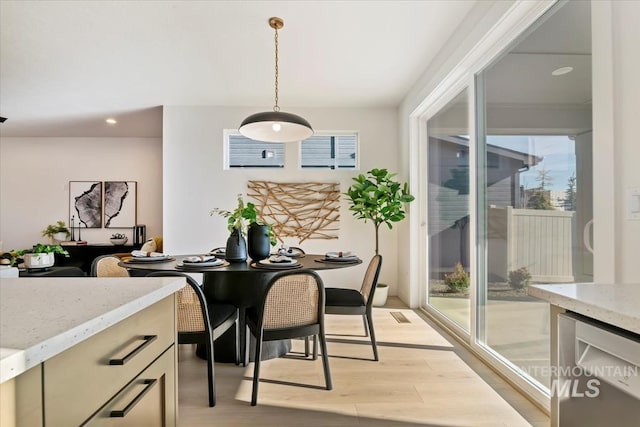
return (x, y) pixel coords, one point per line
(42, 317)
(617, 305)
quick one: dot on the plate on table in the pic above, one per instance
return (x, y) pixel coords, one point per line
(197, 266)
(208, 263)
(291, 253)
(144, 259)
(350, 258)
(275, 262)
(275, 265)
(342, 260)
(217, 252)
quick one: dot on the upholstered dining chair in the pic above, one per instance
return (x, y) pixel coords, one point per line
(107, 266)
(201, 322)
(292, 307)
(357, 302)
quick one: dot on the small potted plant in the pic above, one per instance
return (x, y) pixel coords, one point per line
(379, 198)
(118, 239)
(245, 217)
(40, 255)
(57, 232)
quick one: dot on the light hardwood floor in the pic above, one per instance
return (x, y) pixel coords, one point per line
(423, 378)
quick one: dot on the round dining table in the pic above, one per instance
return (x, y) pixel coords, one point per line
(242, 284)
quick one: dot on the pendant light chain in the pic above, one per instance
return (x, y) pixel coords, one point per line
(276, 107)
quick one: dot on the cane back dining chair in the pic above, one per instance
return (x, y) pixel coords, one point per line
(107, 266)
(358, 302)
(201, 322)
(292, 307)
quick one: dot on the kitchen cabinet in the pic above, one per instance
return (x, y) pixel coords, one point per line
(117, 360)
(79, 381)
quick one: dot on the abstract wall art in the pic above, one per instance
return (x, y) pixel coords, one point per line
(120, 204)
(306, 210)
(85, 203)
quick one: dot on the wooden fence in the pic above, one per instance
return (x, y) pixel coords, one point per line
(540, 240)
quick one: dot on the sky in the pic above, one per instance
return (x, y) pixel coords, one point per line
(558, 153)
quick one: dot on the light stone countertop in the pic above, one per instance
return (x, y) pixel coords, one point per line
(617, 305)
(42, 317)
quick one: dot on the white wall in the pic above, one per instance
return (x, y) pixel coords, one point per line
(35, 175)
(626, 69)
(195, 181)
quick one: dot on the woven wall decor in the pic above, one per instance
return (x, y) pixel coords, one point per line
(306, 210)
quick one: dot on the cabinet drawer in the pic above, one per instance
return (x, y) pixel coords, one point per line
(80, 380)
(148, 401)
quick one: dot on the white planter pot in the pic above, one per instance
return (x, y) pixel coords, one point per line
(60, 237)
(380, 296)
(39, 260)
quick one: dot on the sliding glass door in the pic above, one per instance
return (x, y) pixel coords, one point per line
(509, 197)
(534, 149)
(448, 211)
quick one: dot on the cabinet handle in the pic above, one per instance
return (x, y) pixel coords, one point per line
(148, 339)
(123, 413)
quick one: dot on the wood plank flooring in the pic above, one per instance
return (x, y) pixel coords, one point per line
(423, 378)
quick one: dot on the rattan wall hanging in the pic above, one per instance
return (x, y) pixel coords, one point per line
(305, 210)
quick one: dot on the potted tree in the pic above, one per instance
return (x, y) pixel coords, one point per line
(379, 198)
(57, 232)
(245, 217)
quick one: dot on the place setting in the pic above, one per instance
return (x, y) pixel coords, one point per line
(141, 257)
(290, 251)
(201, 262)
(276, 262)
(340, 257)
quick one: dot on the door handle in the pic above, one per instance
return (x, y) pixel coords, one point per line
(586, 235)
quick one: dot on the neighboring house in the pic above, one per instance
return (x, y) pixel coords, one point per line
(449, 194)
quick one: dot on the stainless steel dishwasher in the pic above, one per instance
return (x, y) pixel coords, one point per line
(598, 374)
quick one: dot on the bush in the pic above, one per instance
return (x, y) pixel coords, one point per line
(519, 279)
(457, 281)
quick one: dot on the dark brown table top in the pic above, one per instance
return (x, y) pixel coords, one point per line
(309, 261)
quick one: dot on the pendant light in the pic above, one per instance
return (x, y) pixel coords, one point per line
(276, 125)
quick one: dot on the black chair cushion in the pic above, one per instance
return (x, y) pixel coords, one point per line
(343, 297)
(219, 313)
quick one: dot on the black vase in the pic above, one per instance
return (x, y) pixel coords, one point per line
(236, 250)
(258, 241)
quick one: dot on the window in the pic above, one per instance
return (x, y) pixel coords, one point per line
(247, 153)
(330, 151)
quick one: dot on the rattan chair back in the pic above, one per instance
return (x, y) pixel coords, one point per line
(292, 301)
(371, 279)
(107, 266)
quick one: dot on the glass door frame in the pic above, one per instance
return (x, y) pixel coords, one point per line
(518, 20)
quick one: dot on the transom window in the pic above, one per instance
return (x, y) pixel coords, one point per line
(247, 153)
(330, 151)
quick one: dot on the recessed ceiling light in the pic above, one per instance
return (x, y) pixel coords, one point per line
(562, 71)
(111, 121)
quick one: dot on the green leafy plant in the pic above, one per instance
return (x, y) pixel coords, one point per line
(58, 227)
(242, 216)
(520, 278)
(40, 248)
(457, 281)
(379, 198)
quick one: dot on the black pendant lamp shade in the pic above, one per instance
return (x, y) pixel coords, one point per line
(276, 126)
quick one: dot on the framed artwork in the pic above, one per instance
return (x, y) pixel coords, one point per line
(120, 204)
(85, 203)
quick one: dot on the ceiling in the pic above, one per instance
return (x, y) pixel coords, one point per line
(65, 66)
